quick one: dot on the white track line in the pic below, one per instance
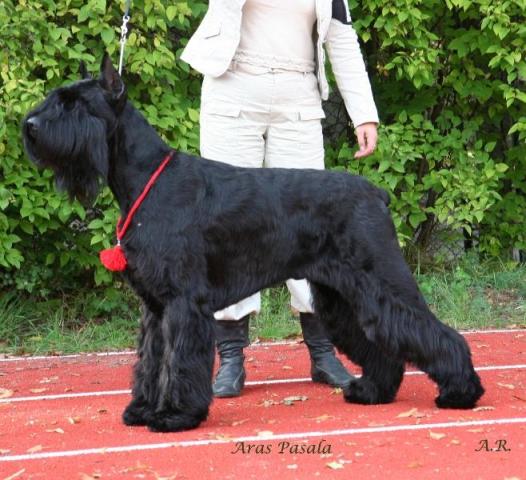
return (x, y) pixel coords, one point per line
(124, 352)
(254, 345)
(280, 436)
(501, 330)
(107, 393)
(66, 357)
(58, 396)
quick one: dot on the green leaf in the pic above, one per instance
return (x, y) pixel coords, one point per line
(98, 238)
(64, 213)
(193, 114)
(108, 36)
(84, 13)
(416, 219)
(384, 165)
(27, 227)
(171, 12)
(489, 147)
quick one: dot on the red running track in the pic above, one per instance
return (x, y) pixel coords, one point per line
(60, 419)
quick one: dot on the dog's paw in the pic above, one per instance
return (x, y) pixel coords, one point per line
(168, 421)
(464, 395)
(136, 414)
(365, 392)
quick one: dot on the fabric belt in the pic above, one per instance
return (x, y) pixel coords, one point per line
(260, 64)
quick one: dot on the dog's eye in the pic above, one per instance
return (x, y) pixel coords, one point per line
(68, 104)
(67, 100)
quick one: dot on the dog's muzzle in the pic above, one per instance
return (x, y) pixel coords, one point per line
(31, 131)
(31, 128)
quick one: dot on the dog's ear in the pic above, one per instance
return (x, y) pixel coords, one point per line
(84, 74)
(112, 82)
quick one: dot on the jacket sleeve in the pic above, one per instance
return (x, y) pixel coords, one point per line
(212, 46)
(349, 67)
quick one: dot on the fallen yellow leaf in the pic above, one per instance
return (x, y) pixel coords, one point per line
(291, 400)
(159, 477)
(411, 413)
(37, 390)
(49, 379)
(6, 393)
(483, 409)
(85, 476)
(36, 448)
(138, 467)
(15, 475)
(509, 386)
(323, 417)
(239, 422)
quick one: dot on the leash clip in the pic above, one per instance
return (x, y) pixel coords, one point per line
(124, 32)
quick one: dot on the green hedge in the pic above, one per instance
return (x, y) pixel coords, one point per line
(448, 77)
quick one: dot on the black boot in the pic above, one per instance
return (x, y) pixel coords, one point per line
(232, 337)
(325, 367)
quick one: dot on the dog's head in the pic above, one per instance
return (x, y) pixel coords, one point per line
(70, 131)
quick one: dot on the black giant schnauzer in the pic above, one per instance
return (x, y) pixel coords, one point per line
(209, 234)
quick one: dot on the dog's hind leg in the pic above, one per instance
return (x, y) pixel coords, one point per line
(381, 375)
(184, 385)
(411, 332)
(396, 316)
(389, 308)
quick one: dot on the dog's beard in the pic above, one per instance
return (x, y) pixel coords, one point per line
(84, 189)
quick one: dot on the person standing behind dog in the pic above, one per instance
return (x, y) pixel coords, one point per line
(264, 80)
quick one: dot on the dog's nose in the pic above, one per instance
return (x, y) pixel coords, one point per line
(32, 124)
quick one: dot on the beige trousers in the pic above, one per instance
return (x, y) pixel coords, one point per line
(270, 119)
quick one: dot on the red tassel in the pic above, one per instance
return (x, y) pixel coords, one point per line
(113, 259)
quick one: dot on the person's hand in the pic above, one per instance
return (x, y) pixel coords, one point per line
(367, 135)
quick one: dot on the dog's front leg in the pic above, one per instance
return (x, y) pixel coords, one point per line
(183, 391)
(146, 370)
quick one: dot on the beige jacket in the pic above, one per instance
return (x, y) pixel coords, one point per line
(211, 49)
